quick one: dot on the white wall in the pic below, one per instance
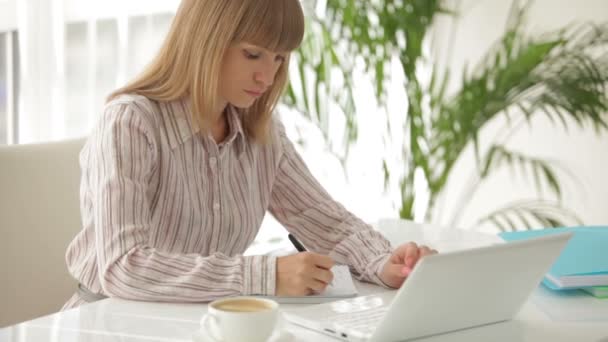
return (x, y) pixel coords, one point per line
(79, 10)
(582, 151)
(8, 15)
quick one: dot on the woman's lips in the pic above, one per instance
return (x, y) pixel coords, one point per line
(254, 93)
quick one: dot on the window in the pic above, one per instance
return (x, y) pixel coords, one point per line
(3, 90)
(8, 86)
(102, 55)
(74, 54)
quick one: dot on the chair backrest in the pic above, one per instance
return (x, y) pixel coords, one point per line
(39, 216)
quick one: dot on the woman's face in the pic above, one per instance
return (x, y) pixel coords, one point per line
(247, 72)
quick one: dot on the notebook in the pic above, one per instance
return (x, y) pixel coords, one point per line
(342, 287)
(584, 261)
(598, 291)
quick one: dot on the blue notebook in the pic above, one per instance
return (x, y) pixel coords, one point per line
(582, 263)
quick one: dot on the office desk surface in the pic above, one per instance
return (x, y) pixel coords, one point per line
(545, 317)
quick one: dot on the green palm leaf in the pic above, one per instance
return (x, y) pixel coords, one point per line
(530, 214)
(542, 171)
(312, 90)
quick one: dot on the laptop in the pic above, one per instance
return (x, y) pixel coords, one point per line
(445, 292)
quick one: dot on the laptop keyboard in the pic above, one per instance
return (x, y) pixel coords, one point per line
(364, 321)
(358, 316)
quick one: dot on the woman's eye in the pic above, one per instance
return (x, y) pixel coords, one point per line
(251, 55)
(280, 58)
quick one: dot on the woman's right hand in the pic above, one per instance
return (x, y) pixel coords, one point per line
(303, 273)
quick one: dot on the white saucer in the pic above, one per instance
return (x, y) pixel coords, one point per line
(279, 335)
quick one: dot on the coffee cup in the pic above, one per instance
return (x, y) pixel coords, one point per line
(241, 319)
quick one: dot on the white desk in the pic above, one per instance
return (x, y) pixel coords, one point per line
(578, 318)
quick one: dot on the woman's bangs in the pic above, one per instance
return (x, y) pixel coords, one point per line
(276, 25)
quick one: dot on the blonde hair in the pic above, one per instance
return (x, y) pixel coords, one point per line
(190, 59)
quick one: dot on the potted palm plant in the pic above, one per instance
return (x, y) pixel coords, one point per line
(562, 75)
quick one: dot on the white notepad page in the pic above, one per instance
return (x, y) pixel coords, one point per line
(341, 287)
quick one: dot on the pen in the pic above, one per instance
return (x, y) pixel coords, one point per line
(300, 247)
(296, 243)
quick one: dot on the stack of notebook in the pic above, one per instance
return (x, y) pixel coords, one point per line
(583, 264)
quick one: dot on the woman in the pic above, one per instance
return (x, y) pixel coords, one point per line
(187, 158)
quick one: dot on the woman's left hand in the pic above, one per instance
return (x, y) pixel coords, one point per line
(402, 262)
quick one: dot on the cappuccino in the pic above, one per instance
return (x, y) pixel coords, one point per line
(240, 319)
(243, 305)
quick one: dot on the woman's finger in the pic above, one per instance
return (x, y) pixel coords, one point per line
(411, 255)
(316, 286)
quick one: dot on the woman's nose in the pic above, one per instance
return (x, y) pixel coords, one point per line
(265, 76)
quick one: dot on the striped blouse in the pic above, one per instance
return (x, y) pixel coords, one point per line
(167, 213)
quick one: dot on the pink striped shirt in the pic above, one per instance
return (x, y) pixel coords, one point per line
(167, 212)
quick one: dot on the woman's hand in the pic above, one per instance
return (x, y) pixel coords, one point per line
(303, 274)
(402, 262)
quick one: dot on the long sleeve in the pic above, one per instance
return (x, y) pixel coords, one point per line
(123, 154)
(301, 204)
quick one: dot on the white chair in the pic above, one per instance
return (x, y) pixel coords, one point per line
(39, 216)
